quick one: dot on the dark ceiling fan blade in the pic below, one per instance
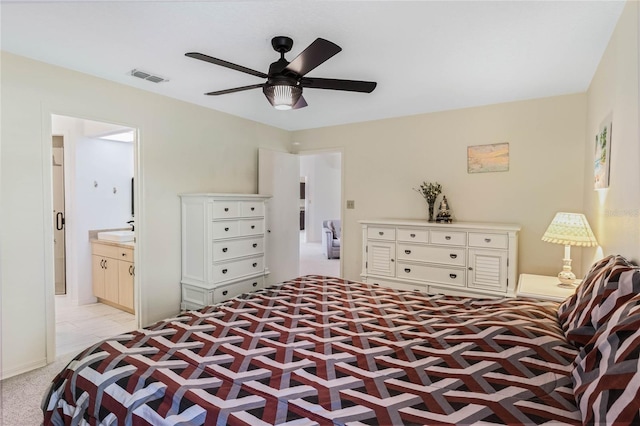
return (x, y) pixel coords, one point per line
(315, 54)
(216, 61)
(300, 104)
(236, 89)
(336, 84)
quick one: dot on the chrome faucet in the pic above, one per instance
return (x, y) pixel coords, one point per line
(133, 228)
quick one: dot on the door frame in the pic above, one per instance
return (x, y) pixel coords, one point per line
(338, 150)
(47, 190)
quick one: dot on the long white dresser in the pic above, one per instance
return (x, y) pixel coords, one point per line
(460, 259)
(223, 247)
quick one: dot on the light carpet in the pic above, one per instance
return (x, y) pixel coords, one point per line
(22, 394)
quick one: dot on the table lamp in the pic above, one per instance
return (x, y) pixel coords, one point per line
(570, 229)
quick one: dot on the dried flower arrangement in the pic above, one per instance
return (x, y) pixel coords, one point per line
(429, 191)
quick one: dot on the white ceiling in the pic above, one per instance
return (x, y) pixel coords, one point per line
(425, 55)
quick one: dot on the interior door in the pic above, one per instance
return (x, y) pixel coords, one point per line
(279, 176)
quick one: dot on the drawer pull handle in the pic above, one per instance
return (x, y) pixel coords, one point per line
(380, 233)
(412, 235)
(452, 276)
(253, 227)
(447, 237)
(224, 293)
(224, 271)
(255, 284)
(224, 249)
(226, 209)
(255, 264)
(407, 252)
(453, 255)
(255, 245)
(376, 284)
(253, 208)
(407, 270)
(487, 240)
(124, 254)
(226, 229)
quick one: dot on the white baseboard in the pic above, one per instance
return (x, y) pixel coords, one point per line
(23, 368)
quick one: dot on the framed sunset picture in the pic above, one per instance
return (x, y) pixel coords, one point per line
(488, 158)
(602, 156)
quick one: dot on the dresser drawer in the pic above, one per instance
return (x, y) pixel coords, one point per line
(450, 238)
(225, 209)
(449, 276)
(223, 250)
(226, 229)
(413, 235)
(252, 227)
(381, 233)
(229, 270)
(251, 208)
(431, 254)
(486, 240)
(230, 291)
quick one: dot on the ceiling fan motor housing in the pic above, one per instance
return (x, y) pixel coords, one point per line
(282, 44)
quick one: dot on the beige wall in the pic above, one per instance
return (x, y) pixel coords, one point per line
(385, 159)
(183, 148)
(614, 213)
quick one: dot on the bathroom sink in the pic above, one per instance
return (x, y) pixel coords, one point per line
(117, 236)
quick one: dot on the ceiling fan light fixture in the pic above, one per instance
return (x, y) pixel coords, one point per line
(282, 96)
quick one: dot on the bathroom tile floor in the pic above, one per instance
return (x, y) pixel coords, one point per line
(80, 326)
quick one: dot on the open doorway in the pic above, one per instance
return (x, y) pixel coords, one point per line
(93, 169)
(320, 213)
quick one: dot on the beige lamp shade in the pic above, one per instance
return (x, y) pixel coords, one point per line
(570, 229)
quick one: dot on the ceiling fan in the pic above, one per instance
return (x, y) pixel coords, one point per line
(285, 80)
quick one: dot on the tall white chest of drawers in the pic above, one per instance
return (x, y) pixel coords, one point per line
(460, 259)
(223, 247)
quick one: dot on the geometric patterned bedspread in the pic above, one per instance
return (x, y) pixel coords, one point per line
(321, 350)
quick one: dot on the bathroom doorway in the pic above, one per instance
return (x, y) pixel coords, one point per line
(96, 166)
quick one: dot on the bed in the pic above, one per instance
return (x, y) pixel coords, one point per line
(328, 351)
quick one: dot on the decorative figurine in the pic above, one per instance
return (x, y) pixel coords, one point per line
(444, 214)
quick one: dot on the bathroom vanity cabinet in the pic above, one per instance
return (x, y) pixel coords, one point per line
(113, 274)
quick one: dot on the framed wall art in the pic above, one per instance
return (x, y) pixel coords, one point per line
(488, 158)
(602, 156)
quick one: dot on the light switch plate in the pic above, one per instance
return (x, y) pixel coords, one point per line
(351, 204)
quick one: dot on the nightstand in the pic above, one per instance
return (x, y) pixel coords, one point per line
(542, 287)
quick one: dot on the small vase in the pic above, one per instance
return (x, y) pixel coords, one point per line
(431, 219)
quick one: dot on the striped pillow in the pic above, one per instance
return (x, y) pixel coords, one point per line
(595, 299)
(606, 378)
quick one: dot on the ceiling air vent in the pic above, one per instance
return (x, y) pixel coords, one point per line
(148, 76)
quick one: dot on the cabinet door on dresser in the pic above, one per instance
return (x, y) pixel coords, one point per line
(487, 269)
(381, 258)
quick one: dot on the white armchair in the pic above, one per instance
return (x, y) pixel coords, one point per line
(331, 237)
